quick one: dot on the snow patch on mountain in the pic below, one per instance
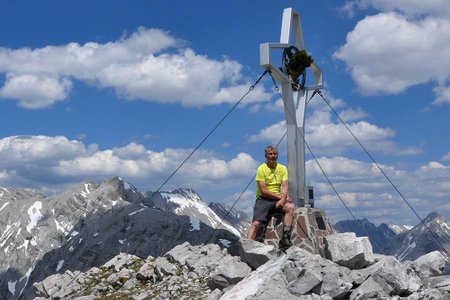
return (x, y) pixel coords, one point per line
(6, 235)
(60, 265)
(400, 228)
(4, 205)
(34, 212)
(187, 202)
(410, 246)
(86, 192)
(12, 287)
(195, 223)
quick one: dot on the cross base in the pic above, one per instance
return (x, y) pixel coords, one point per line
(309, 228)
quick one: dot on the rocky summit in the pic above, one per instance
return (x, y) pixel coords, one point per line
(259, 272)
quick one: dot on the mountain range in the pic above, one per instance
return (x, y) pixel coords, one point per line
(90, 223)
(404, 242)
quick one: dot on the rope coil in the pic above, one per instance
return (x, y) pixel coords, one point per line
(294, 63)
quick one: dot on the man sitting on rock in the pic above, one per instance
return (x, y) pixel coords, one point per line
(272, 194)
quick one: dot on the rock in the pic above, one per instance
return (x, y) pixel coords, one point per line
(214, 295)
(165, 268)
(440, 282)
(369, 289)
(430, 294)
(348, 250)
(306, 282)
(199, 259)
(428, 265)
(255, 253)
(120, 260)
(387, 277)
(336, 280)
(233, 269)
(146, 272)
(218, 281)
(59, 285)
(266, 282)
(131, 284)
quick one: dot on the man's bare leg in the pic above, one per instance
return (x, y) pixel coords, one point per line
(288, 219)
(253, 230)
(288, 210)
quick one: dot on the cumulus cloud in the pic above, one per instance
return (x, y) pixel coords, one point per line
(38, 161)
(32, 91)
(149, 65)
(446, 157)
(22, 150)
(54, 163)
(327, 136)
(272, 133)
(409, 7)
(365, 190)
(406, 44)
(442, 95)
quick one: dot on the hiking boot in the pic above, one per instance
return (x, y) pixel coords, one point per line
(285, 241)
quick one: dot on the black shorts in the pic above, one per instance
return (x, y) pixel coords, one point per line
(263, 207)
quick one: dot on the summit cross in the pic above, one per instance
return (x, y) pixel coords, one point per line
(292, 35)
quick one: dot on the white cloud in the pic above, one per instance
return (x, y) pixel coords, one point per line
(388, 53)
(366, 191)
(352, 114)
(54, 163)
(44, 163)
(409, 7)
(22, 150)
(326, 137)
(446, 157)
(442, 95)
(131, 151)
(149, 65)
(32, 91)
(272, 134)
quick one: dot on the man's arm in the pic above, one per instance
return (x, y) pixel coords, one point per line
(284, 188)
(284, 191)
(271, 195)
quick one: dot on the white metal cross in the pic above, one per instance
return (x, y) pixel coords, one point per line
(292, 35)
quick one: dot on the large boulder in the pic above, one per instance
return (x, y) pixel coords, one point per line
(231, 271)
(386, 277)
(348, 250)
(266, 282)
(428, 265)
(297, 275)
(255, 253)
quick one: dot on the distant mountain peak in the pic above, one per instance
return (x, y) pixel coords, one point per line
(121, 183)
(187, 202)
(187, 192)
(432, 216)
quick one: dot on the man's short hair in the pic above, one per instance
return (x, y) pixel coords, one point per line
(270, 148)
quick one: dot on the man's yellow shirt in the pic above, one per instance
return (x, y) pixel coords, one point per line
(272, 177)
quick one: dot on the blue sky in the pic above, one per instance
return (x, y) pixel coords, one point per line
(95, 89)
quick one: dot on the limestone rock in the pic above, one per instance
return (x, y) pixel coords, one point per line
(428, 265)
(348, 250)
(208, 272)
(255, 253)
